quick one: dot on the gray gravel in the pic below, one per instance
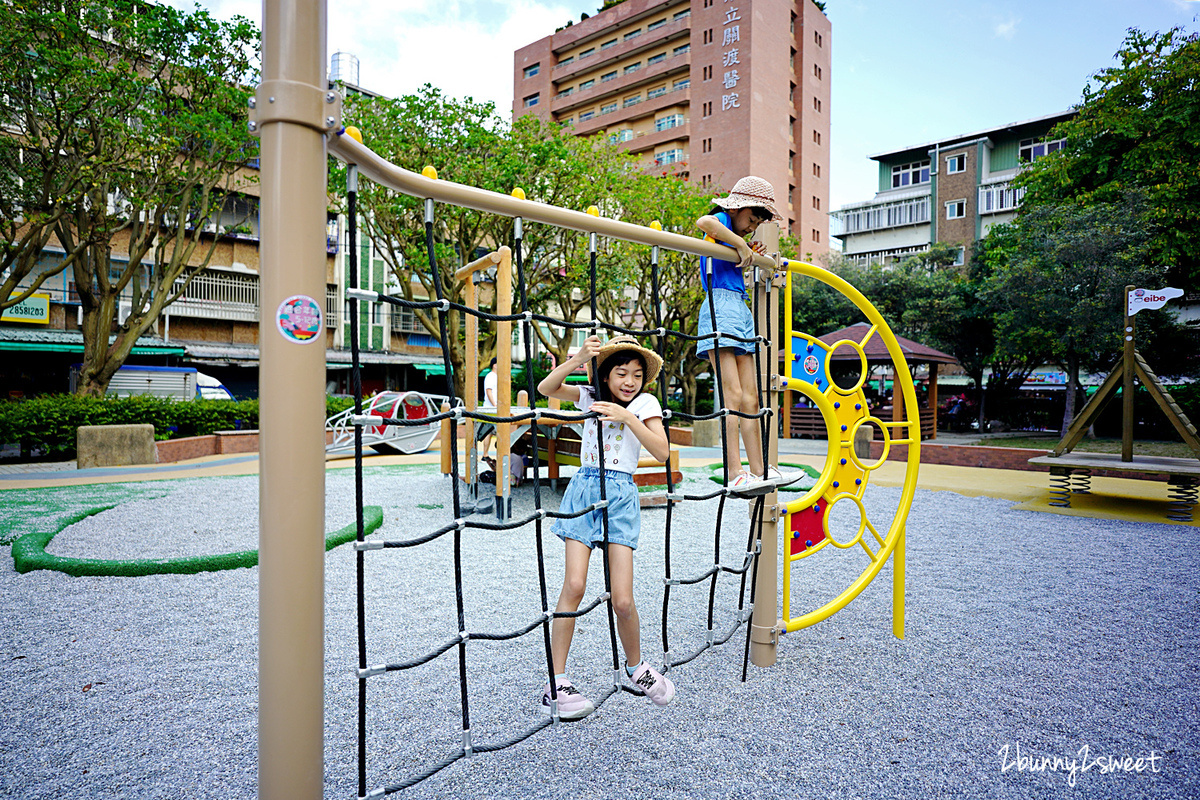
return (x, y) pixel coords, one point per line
(1029, 631)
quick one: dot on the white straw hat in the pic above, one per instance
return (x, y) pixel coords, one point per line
(617, 343)
(750, 191)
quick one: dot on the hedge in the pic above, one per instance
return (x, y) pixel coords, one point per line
(46, 425)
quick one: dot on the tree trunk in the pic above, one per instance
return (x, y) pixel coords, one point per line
(1072, 390)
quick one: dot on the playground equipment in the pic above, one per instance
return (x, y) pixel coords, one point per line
(382, 438)
(1071, 473)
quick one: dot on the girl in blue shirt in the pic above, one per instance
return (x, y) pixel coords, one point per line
(732, 221)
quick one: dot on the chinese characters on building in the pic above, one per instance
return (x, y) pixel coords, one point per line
(729, 60)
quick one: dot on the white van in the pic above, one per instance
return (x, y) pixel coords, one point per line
(181, 383)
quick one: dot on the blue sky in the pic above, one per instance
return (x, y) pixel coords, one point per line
(903, 73)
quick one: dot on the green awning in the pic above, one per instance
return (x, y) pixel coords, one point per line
(431, 369)
(64, 347)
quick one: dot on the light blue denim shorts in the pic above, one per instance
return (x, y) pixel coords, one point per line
(733, 317)
(624, 509)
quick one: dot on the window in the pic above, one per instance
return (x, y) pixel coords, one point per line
(955, 164)
(706, 73)
(586, 115)
(791, 160)
(655, 59)
(816, 104)
(669, 121)
(816, 72)
(566, 61)
(591, 51)
(816, 170)
(657, 91)
(565, 92)
(681, 14)
(706, 109)
(956, 209)
(608, 44)
(632, 100)
(706, 145)
(634, 67)
(656, 25)
(532, 100)
(623, 135)
(960, 257)
(792, 25)
(816, 235)
(1033, 149)
(608, 109)
(672, 156)
(589, 83)
(818, 40)
(683, 48)
(817, 203)
(708, 37)
(608, 76)
(566, 121)
(633, 34)
(816, 137)
(681, 84)
(533, 69)
(910, 174)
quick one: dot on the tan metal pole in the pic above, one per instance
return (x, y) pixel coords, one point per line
(764, 636)
(291, 625)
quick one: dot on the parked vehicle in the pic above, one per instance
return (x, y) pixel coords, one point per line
(181, 383)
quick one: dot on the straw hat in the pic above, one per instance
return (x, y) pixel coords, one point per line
(750, 191)
(619, 343)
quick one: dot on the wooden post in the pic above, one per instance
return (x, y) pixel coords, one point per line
(504, 284)
(1127, 364)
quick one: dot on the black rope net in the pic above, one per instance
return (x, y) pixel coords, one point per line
(460, 528)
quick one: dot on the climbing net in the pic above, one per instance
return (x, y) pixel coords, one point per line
(744, 568)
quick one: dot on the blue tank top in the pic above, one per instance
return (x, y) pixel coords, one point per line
(726, 274)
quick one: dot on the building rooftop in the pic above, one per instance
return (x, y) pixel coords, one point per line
(1010, 127)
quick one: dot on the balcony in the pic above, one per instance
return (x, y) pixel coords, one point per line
(674, 29)
(880, 216)
(217, 295)
(620, 85)
(997, 198)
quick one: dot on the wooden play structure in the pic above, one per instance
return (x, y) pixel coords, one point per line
(1071, 473)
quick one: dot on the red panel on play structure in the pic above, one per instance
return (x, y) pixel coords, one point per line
(807, 527)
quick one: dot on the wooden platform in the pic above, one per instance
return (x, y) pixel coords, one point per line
(1071, 473)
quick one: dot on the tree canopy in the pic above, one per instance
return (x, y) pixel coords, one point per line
(128, 131)
(1137, 131)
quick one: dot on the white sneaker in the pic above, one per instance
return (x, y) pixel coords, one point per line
(657, 686)
(571, 703)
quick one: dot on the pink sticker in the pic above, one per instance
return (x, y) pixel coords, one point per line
(299, 319)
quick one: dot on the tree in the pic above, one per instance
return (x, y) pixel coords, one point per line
(130, 138)
(1058, 290)
(469, 145)
(1137, 130)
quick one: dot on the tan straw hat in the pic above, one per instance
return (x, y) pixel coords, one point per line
(618, 343)
(750, 191)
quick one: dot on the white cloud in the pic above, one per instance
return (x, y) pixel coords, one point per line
(463, 47)
(1007, 29)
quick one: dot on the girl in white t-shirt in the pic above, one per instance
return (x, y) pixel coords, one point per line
(631, 420)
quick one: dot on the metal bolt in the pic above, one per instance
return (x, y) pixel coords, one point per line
(330, 97)
(253, 101)
(270, 99)
(330, 122)
(252, 125)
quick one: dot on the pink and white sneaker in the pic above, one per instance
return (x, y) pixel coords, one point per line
(657, 687)
(572, 704)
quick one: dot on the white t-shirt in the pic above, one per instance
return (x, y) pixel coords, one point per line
(621, 448)
(490, 381)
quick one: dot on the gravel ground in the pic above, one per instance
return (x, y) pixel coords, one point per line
(1029, 637)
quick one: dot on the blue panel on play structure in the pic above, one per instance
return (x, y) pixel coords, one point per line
(808, 361)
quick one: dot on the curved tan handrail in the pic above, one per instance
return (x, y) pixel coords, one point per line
(385, 173)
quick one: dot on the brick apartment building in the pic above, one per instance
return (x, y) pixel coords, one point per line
(708, 90)
(951, 190)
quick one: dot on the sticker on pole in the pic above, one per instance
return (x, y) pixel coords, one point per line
(299, 319)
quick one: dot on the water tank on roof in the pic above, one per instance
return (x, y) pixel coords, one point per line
(343, 67)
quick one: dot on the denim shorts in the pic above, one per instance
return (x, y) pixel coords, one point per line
(624, 509)
(733, 317)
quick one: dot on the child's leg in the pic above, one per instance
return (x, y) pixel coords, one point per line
(751, 430)
(629, 627)
(485, 446)
(574, 585)
(731, 388)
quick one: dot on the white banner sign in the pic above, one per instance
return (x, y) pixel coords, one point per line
(1140, 299)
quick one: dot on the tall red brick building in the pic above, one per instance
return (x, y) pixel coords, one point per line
(711, 90)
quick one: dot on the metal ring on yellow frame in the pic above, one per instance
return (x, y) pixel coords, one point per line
(833, 449)
(887, 444)
(863, 522)
(862, 357)
(895, 530)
